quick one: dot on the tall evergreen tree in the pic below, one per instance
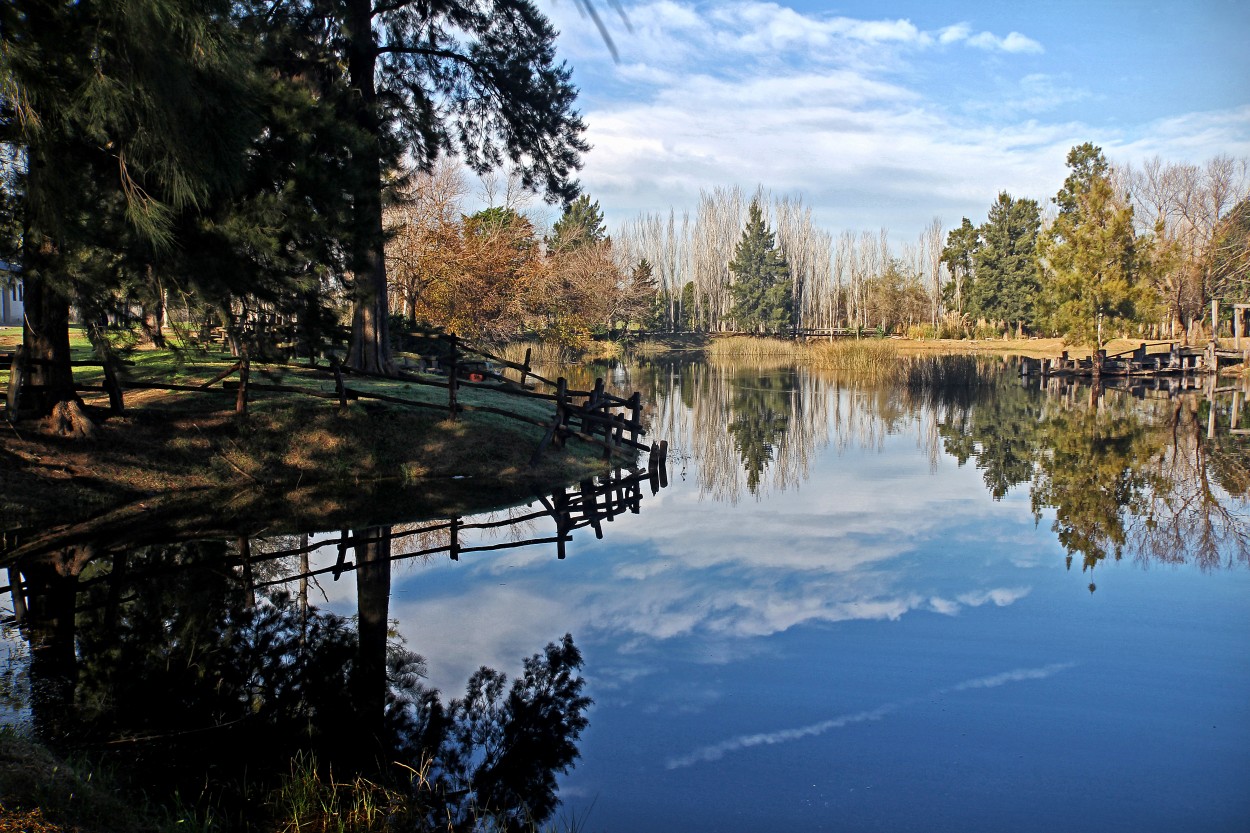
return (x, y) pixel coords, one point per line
(477, 76)
(128, 113)
(580, 224)
(959, 256)
(1086, 164)
(1007, 280)
(1094, 266)
(762, 296)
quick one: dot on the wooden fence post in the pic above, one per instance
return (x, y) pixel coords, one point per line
(17, 379)
(562, 409)
(451, 378)
(338, 382)
(245, 366)
(596, 396)
(454, 548)
(117, 403)
(663, 470)
(19, 595)
(526, 370)
(635, 417)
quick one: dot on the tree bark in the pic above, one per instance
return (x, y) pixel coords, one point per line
(45, 335)
(45, 328)
(373, 595)
(370, 347)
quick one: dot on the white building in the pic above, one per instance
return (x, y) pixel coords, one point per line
(12, 299)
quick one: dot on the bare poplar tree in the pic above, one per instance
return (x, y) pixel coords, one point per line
(931, 243)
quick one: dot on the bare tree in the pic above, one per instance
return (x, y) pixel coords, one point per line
(931, 244)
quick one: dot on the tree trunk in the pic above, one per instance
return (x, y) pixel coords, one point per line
(370, 347)
(45, 335)
(373, 594)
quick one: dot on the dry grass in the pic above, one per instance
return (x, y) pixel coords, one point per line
(868, 360)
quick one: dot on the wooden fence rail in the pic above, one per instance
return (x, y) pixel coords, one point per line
(595, 416)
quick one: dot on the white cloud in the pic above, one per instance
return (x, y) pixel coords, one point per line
(716, 751)
(876, 122)
(1014, 42)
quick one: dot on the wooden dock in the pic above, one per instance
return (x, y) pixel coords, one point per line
(1145, 360)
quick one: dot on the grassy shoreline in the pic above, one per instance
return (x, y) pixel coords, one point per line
(292, 455)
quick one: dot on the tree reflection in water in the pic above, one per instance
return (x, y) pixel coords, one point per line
(1125, 472)
(185, 664)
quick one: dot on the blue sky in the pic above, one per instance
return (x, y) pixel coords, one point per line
(889, 114)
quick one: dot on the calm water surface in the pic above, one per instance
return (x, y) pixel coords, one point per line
(996, 607)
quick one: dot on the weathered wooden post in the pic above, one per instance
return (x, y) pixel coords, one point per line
(111, 384)
(562, 410)
(341, 563)
(525, 370)
(18, 594)
(596, 396)
(590, 506)
(245, 366)
(1215, 321)
(17, 380)
(452, 371)
(635, 417)
(338, 383)
(245, 554)
(454, 547)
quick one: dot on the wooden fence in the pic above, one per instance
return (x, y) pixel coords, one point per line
(593, 416)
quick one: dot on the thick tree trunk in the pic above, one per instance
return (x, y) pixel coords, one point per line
(373, 595)
(370, 347)
(45, 335)
(45, 328)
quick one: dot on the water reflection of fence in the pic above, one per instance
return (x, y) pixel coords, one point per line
(1210, 387)
(588, 505)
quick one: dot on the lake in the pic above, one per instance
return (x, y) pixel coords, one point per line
(987, 604)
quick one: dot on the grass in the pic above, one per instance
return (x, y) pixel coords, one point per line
(170, 443)
(866, 360)
(42, 793)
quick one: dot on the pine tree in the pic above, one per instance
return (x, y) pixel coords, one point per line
(129, 113)
(761, 292)
(1007, 282)
(474, 76)
(1093, 263)
(959, 256)
(581, 224)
